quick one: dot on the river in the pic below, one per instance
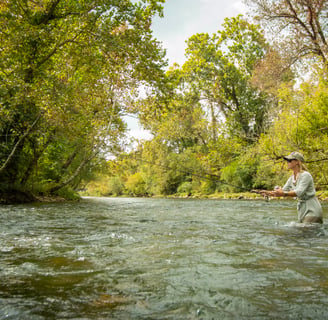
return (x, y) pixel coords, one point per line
(127, 258)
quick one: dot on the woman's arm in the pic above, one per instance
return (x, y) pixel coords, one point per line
(281, 193)
(278, 192)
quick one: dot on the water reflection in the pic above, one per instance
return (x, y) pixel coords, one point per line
(161, 259)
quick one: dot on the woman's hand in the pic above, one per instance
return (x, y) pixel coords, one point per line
(277, 192)
(265, 193)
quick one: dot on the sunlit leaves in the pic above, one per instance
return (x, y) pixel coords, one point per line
(74, 65)
(301, 125)
(220, 68)
(298, 26)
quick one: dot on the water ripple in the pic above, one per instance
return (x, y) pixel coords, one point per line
(106, 258)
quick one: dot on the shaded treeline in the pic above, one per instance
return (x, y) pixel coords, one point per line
(70, 70)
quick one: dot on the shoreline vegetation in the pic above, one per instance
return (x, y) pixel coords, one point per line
(23, 198)
(20, 197)
(322, 196)
(219, 123)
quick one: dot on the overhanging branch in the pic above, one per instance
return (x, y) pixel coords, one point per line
(20, 140)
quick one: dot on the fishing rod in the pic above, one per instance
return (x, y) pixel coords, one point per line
(208, 176)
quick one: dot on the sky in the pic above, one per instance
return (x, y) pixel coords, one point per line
(182, 19)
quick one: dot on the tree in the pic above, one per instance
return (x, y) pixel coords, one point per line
(207, 114)
(220, 68)
(299, 25)
(68, 69)
(301, 125)
(271, 72)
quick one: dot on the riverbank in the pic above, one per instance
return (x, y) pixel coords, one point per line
(18, 197)
(322, 196)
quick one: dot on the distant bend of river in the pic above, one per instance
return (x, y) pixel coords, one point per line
(124, 258)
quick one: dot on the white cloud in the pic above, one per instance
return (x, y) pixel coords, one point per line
(135, 129)
(184, 18)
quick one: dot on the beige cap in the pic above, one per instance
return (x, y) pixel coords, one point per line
(295, 156)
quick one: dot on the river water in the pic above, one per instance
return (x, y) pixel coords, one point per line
(109, 258)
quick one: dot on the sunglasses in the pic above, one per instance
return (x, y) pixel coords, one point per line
(289, 160)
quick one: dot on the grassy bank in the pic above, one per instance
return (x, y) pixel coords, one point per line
(322, 196)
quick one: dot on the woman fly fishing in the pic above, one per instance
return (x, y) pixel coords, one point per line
(300, 185)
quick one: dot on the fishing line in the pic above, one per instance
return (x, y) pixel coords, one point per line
(208, 176)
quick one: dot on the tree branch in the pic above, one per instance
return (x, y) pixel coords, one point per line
(20, 140)
(74, 175)
(58, 46)
(317, 160)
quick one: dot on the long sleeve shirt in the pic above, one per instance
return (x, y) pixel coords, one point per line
(303, 186)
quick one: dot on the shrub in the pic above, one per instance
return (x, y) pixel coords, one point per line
(185, 188)
(135, 185)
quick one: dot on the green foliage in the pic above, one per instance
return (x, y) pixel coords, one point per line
(228, 116)
(68, 193)
(238, 176)
(208, 187)
(220, 68)
(301, 125)
(165, 167)
(68, 69)
(270, 174)
(297, 28)
(102, 186)
(222, 121)
(217, 127)
(135, 185)
(115, 186)
(185, 188)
